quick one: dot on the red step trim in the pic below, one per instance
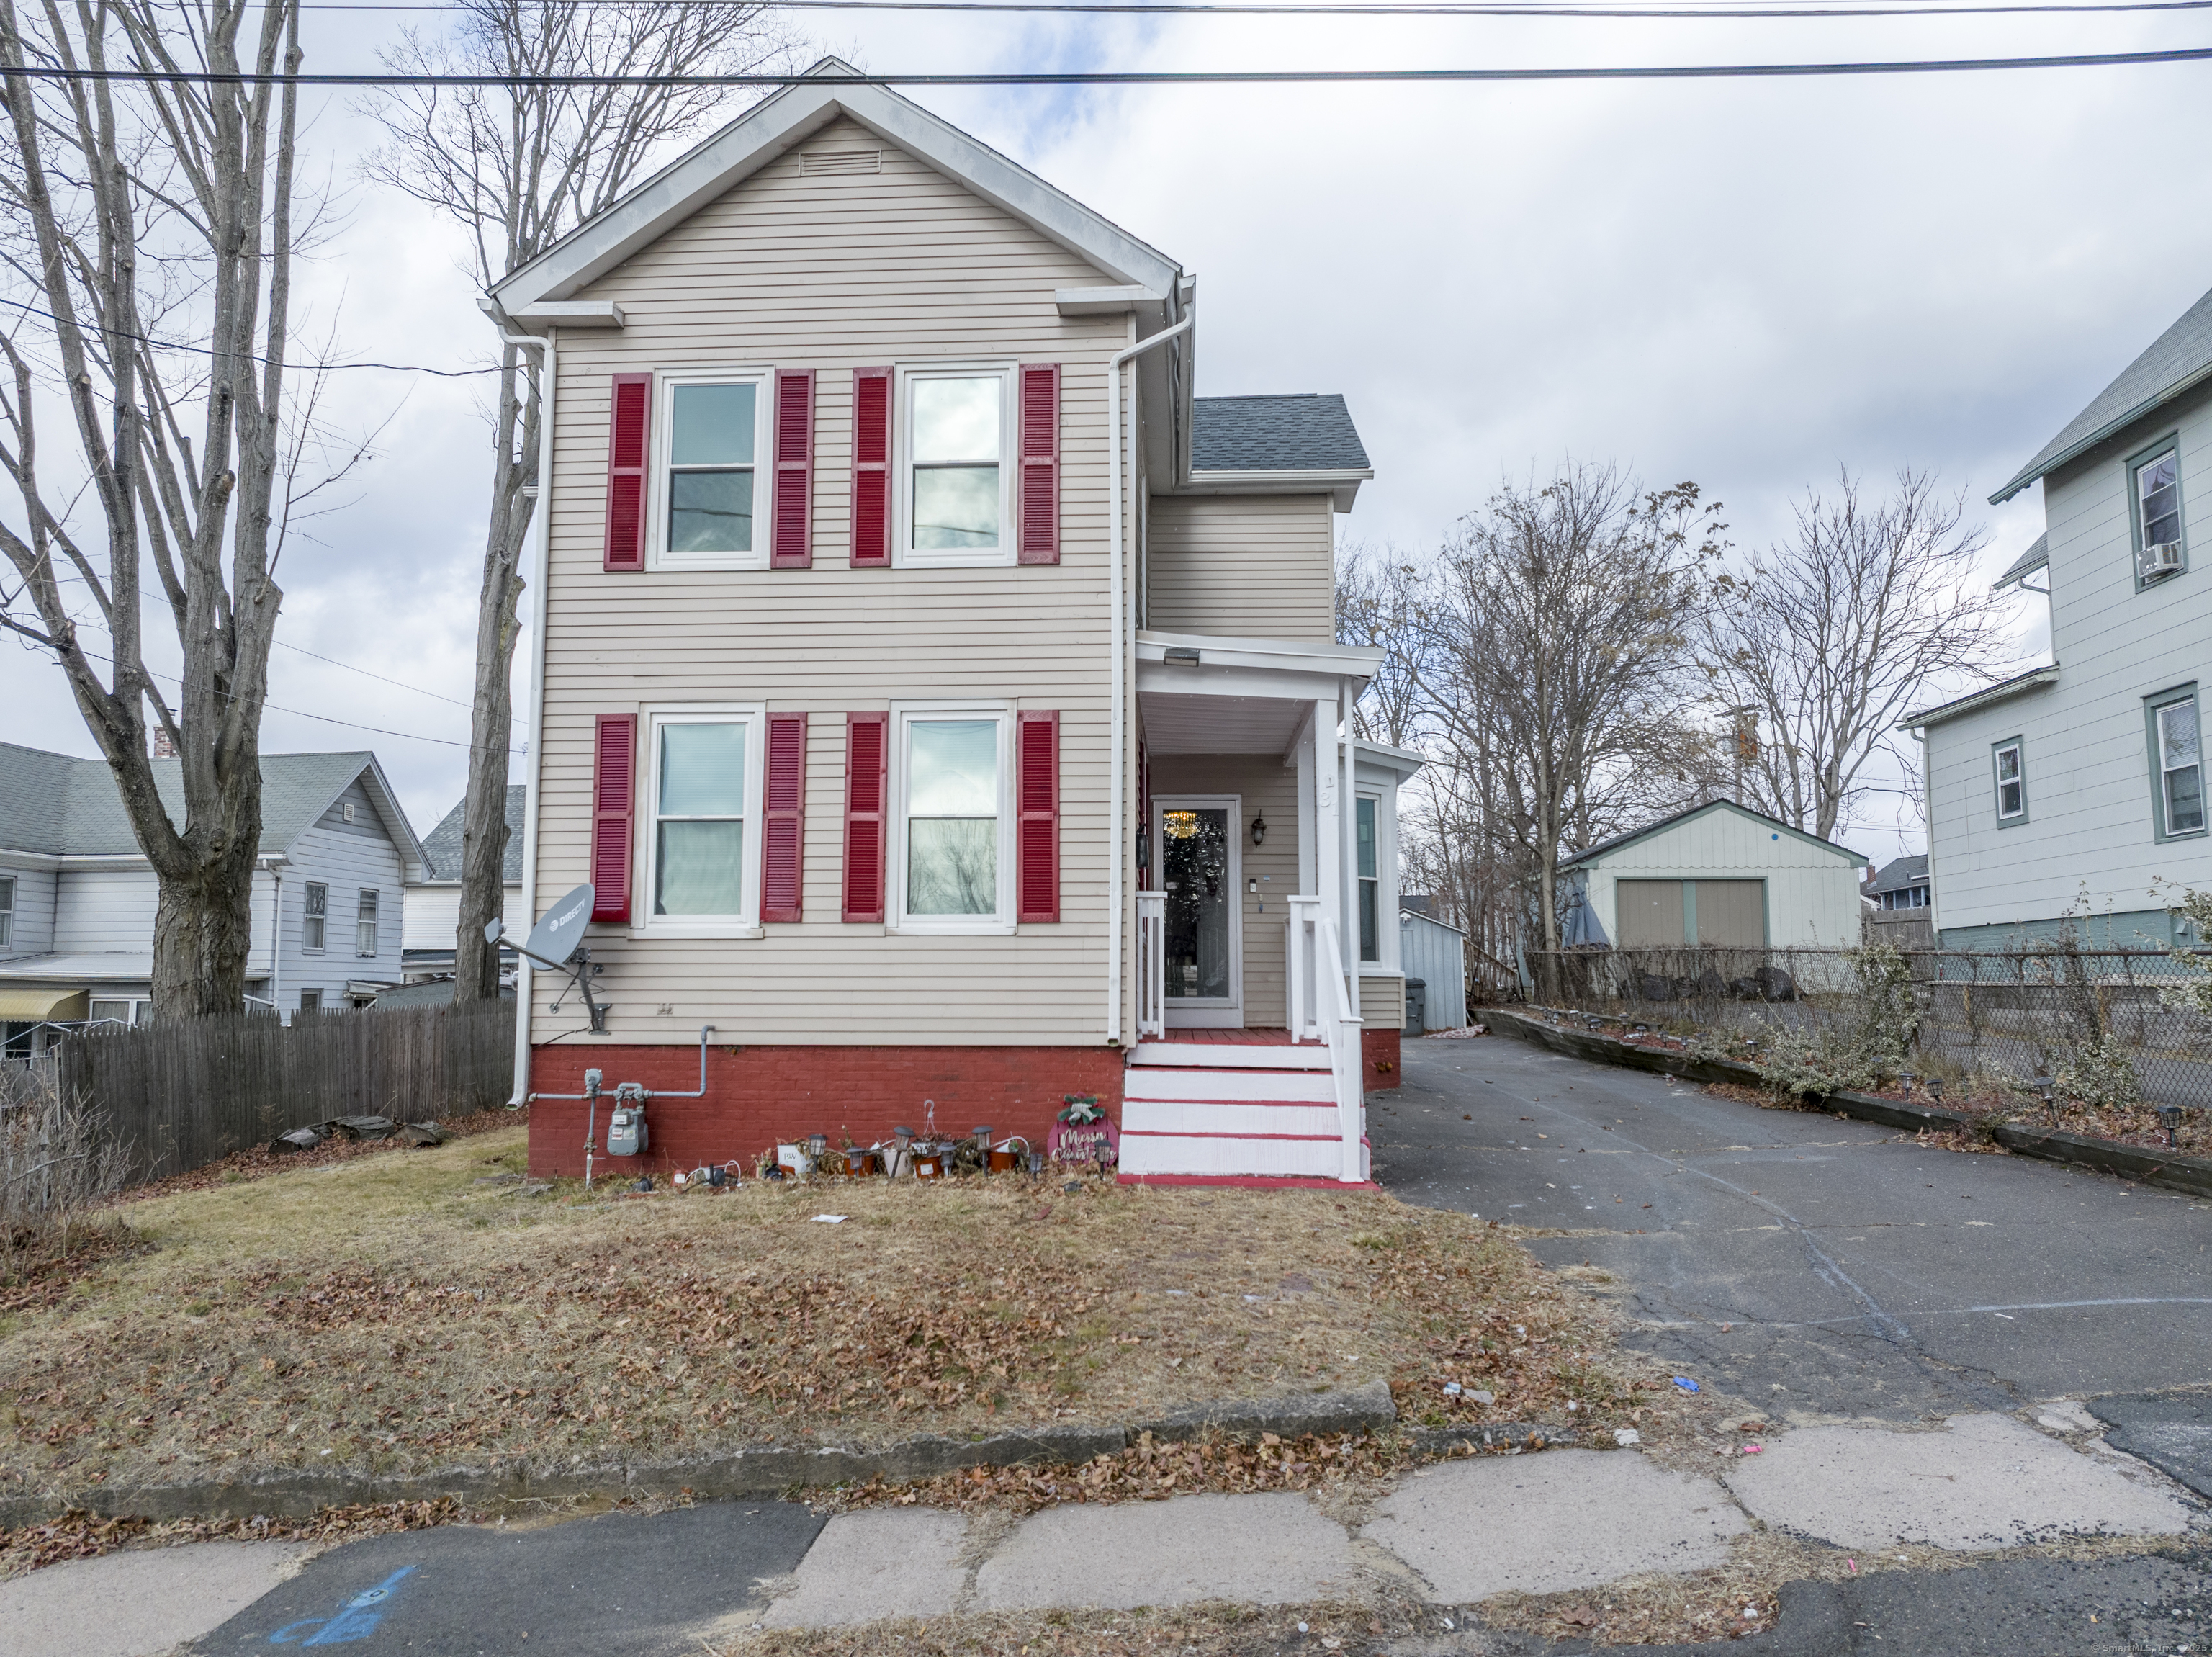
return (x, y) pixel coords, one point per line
(1285, 1104)
(1178, 1133)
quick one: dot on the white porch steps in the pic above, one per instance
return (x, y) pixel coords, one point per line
(1224, 1111)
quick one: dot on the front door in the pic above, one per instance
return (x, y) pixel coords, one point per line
(1201, 873)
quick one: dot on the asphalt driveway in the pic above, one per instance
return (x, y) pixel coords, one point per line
(1818, 1268)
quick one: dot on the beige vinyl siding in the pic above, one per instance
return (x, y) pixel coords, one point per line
(1245, 566)
(1382, 1001)
(832, 273)
(1266, 787)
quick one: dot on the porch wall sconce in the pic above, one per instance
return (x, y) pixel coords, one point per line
(1259, 830)
(1145, 847)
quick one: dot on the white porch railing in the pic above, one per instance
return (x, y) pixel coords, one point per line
(1151, 964)
(1321, 1009)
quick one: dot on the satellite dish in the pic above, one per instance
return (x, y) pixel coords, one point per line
(555, 939)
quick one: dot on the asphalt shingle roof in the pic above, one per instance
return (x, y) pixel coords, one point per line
(1311, 431)
(1900, 875)
(52, 804)
(2178, 359)
(441, 846)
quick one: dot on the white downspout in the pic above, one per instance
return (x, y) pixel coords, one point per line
(276, 931)
(1125, 646)
(542, 549)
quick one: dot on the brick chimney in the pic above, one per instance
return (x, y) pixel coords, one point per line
(163, 748)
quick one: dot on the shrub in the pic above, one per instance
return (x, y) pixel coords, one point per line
(2100, 1075)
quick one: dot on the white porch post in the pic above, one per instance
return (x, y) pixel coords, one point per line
(1328, 811)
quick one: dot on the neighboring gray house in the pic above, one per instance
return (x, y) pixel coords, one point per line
(78, 899)
(1902, 885)
(434, 899)
(2073, 793)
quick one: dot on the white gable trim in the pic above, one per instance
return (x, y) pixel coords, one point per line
(789, 118)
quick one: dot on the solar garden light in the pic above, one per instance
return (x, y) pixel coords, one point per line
(2169, 1117)
(1936, 1089)
(818, 1146)
(1905, 1079)
(2049, 1088)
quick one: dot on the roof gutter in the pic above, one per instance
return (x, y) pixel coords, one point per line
(2032, 679)
(2110, 429)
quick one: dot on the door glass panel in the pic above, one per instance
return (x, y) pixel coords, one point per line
(1194, 870)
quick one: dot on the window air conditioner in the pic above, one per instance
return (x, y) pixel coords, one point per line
(2161, 559)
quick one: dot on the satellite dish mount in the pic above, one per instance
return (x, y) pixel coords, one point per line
(556, 945)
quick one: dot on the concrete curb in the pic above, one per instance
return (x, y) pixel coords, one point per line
(766, 1470)
(2190, 1174)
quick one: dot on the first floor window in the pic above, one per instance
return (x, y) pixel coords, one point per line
(703, 788)
(711, 480)
(1371, 885)
(953, 772)
(364, 930)
(311, 1000)
(2181, 768)
(7, 910)
(955, 430)
(2012, 783)
(317, 917)
(110, 1012)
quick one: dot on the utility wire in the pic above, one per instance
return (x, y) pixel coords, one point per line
(1129, 77)
(1488, 9)
(246, 356)
(400, 683)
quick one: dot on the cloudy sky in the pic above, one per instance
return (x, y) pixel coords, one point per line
(1747, 284)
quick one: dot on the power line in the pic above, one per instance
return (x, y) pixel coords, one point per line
(400, 684)
(248, 356)
(1488, 8)
(1130, 78)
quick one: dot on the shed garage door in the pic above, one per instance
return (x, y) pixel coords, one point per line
(1731, 914)
(1659, 913)
(1650, 913)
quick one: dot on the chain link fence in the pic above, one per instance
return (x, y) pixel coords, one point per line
(2008, 1018)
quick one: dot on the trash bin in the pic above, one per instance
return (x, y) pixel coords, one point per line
(1416, 1007)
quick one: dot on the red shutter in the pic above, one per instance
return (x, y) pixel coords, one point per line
(1039, 505)
(783, 817)
(614, 767)
(1036, 805)
(794, 471)
(629, 416)
(872, 467)
(868, 755)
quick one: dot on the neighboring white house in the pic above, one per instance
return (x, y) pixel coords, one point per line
(1717, 875)
(2073, 793)
(78, 899)
(433, 900)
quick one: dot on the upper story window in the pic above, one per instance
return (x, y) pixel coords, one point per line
(953, 861)
(2178, 762)
(7, 910)
(705, 789)
(2157, 506)
(954, 503)
(1370, 884)
(364, 926)
(713, 466)
(2012, 783)
(316, 917)
(1914, 897)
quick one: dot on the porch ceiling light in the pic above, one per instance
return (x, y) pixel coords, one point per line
(1187, 654)
(1260, 830)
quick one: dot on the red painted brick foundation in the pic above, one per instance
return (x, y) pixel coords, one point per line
(1378, 1049)
(758, 1097)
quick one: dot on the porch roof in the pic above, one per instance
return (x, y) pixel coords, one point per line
(1205, 693)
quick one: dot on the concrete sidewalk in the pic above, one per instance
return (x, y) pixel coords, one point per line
(1455, 1533)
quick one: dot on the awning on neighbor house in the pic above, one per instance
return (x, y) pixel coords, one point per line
(60, 1005)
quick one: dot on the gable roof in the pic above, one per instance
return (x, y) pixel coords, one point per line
(65, 806)
(2177, 360)
(1308, 431)
(787, 119)
(1900, 875)
(441, 846)
(1772, 823)
(2037, 556)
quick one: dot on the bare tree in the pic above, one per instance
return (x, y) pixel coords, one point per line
(517, 166)
(1380, 598)
(1555, 665)
(1827, 641)
(149, 234)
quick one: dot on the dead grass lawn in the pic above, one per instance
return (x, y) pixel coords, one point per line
(396, 1312)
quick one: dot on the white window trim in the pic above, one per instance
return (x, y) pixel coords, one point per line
(307, 948)
(659, 446)
(746, 923)
(2165, 770)
(906, 556)
(373, 922)
(2020, 763)
(897, 920)
(7, 912)
(1388, 938)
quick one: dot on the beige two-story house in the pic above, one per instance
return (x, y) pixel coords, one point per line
(941, 700)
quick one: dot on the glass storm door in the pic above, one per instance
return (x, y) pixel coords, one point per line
(1198, 865)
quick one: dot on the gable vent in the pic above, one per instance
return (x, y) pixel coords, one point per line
(840, 160)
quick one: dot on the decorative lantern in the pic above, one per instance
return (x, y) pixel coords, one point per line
(1260, 829)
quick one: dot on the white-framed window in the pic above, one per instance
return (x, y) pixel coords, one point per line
(364, 926)
(311, 1000)
(2157, 480)
(700, 825)
(2180, 766)
(7, 910)
(711, 469)
(110, 1012)
(952, 862)
(1366, 840)
(2012, 783)
(955, 438)
(315, 919)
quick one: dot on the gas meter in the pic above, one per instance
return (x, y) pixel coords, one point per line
(626, 1129)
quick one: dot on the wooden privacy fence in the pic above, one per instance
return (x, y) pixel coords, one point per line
(189, 1093)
